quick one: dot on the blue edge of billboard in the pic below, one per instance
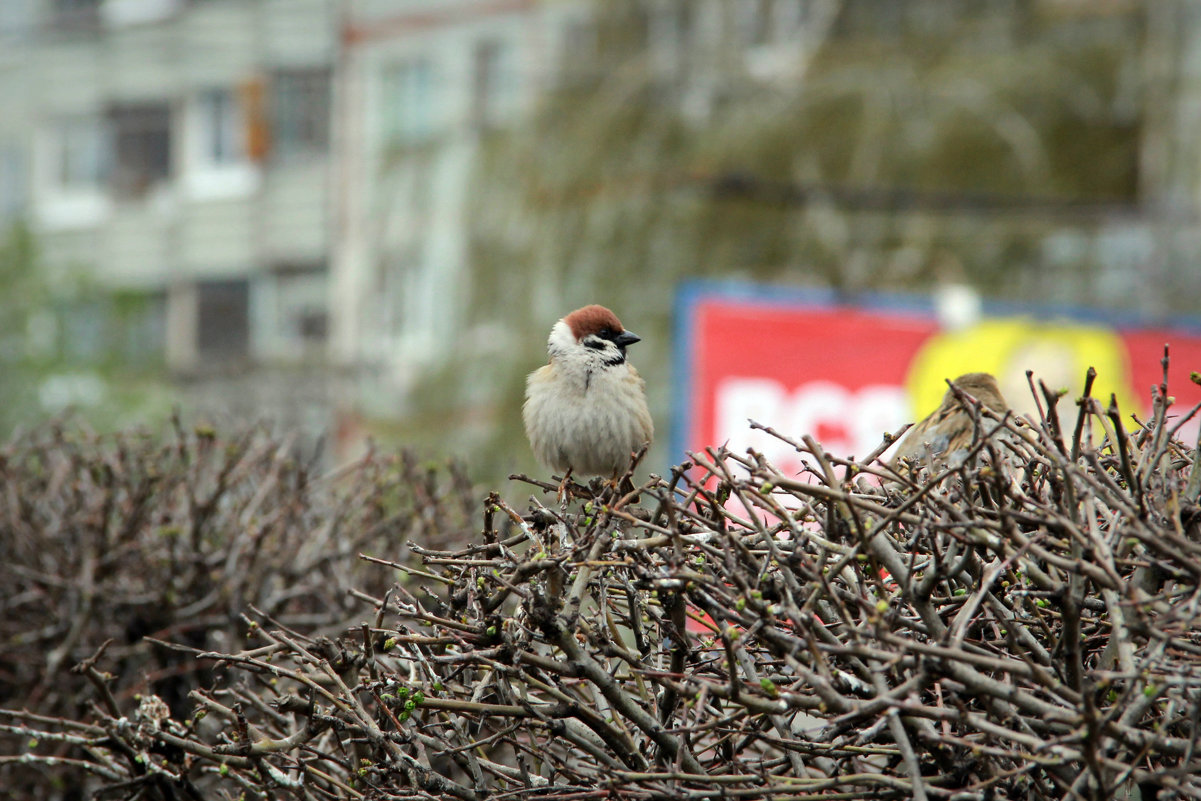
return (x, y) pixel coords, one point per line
(690, 293)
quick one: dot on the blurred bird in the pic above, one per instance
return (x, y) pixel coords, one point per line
(585, 412)
(946, 434)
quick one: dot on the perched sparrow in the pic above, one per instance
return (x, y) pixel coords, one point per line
(585, 412)
(947, 432)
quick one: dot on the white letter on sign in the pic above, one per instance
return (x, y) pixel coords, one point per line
(844, 421)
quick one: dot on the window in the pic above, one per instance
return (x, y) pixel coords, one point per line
(221, 128)
(72, 163)
(226, 133)
(124, 327)
(408, 102)
(141, 147)
(78, 159)
(300, 109)
(492, 83)
(75, 13)
(140, 320)
(415, 179)
(119, 13)
(83, 324)
(406, 313)
(300, 303)
(223, 319)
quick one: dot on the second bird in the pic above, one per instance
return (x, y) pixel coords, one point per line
(946, 434)
(586, 410)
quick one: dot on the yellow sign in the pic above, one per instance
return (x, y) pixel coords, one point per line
(1059, 353)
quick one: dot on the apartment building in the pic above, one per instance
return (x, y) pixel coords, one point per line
(236, 185)
(423, 86)
(172, 158)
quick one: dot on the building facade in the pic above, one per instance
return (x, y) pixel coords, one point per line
(172, 159)
(423, 85)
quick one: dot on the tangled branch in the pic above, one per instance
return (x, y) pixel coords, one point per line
(1024, 623)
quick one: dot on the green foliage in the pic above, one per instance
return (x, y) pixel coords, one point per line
(25, 293)
(67, 343)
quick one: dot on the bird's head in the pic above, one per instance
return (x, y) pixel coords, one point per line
(592, 332)
(981, 386)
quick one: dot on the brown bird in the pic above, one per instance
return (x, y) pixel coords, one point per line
(585, 412)
(946, 434)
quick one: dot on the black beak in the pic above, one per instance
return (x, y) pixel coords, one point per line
(626, 338)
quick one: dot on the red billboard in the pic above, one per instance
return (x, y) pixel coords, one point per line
(803, 363)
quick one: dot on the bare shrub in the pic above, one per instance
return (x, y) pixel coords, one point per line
(1023, 624)
(110, 540)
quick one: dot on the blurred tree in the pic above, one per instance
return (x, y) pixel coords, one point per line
(829, 144)
(22, 308)
(897, 143)
(68, 345)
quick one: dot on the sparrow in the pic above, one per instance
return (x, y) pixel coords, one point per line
(946, 434)
(585, 412)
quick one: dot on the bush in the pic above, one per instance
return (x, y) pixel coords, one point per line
(122, 543)
(1022, 624)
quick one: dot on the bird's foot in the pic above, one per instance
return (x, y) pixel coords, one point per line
(564, 493)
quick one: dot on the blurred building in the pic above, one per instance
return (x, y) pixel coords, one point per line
(172, 158)
(239, 189)
(424, 86)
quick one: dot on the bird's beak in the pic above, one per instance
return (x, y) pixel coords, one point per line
(626, 338)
